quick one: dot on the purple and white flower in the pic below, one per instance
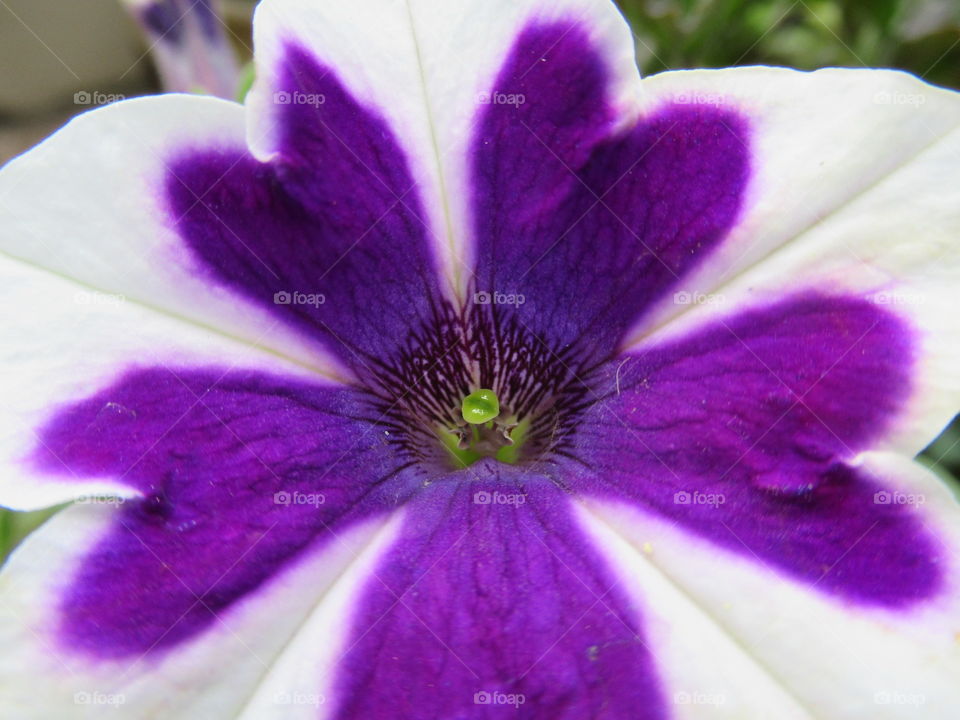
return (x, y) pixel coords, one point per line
(189, 44)
(738, 326)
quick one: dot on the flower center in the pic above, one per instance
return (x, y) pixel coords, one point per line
(483, 433)
(480, 407)
(476, 384)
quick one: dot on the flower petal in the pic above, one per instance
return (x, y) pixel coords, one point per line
(284, 464)
(589, 223)
(245, 480)
(839, 660)
(854, 192)
(89, 204)
(73, 341)
(704, 670)
(492, 598)
(426, 66)
(212, 675)
(819, 140)
(328, 234)
(747, 432)
(189, 46)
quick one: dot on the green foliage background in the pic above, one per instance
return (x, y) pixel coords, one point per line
(920, 36)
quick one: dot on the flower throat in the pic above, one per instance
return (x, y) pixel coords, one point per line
(477, 383)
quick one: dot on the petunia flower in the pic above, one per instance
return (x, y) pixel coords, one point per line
(189, 43)
(462, 374)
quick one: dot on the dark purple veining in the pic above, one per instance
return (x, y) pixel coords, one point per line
(491, 589)
(330, 235)
(592, 227)
(765, 412)
(240, 472)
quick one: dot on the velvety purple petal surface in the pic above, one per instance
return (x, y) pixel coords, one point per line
(493, 604)
(329, 235)
(745, 432)
(240, 473)
(590, 226)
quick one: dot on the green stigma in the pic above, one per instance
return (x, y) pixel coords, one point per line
(480, 407)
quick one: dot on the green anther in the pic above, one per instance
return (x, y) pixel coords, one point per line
(480, 407)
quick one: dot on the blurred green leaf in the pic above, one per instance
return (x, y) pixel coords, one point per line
(922, 37)
(15, 526)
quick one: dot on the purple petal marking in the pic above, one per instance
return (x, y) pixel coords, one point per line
(589, 226)
(240, 471)
(164, 19)
(206, 14)
(744, 432)
(484, 604)
(329, 235)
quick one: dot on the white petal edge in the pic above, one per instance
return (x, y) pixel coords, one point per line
(850, 194)
(697, 663)
(64, 342)
(817, 141)
(215, 674)
(839, 661)
(703, 671)
(422, 65)
(88, 203)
